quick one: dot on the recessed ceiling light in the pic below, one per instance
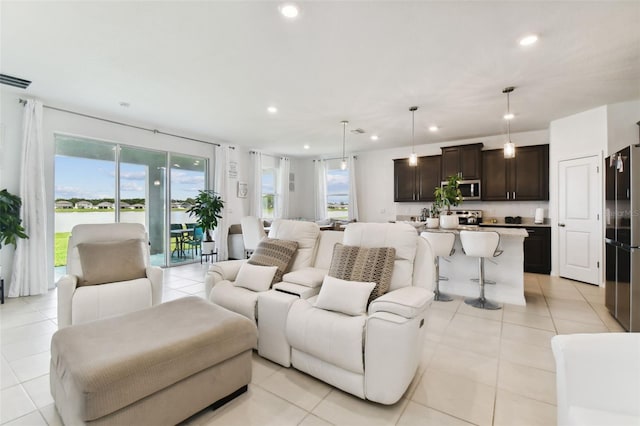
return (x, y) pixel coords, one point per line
(306, 147)
(374, 137)
(509, 116)
(289, 10)
(433, 128)
(272, 110)
(528, 40)
(125, 104)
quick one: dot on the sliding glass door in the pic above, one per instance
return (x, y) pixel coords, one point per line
(103, 182)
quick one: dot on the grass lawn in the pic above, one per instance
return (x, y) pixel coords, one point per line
(60, 248)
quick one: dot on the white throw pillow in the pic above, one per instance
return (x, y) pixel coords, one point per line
(255, 277)
(347, 297)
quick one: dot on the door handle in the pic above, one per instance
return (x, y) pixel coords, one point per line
(514, 195)
(561, 224)
(507, 195)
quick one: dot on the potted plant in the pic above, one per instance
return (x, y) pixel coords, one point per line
(448, 195)
(206, 208)
(10, 222)
(433, 221)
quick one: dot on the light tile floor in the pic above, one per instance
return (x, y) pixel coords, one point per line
(478, 367)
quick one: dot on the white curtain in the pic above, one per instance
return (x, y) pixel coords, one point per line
(221, 186)
(31, 270)
(282, 206)
(255, 188)
(353, 192)
(320, 189)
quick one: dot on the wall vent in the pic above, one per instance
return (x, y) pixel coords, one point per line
(14, 81)
(358, 131)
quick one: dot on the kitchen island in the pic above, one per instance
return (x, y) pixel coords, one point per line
(506, 270)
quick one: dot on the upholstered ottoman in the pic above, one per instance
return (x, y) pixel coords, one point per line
(151, 367)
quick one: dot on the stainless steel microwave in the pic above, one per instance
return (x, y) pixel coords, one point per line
(470, 189)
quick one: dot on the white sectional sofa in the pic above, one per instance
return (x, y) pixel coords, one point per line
(373, 355)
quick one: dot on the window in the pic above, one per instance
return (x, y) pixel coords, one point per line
(337, 191)
(269, 194)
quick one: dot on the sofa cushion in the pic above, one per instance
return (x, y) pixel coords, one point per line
(364, 264)
(401, 236)
(310, 277)
(326, 242)
(329, 336)
(346, 297)
(112, 261)
(235, 299)
(304, 233)
(255, 277)
(274, 252)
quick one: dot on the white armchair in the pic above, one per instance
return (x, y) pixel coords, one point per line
(375, 355)
(78, 304)
(598, 378)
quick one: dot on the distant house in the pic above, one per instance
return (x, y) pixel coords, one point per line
(175, 205)
(185, 206)
(84, 204)
(124, 205)
(137, 206)
(105, 205)
(63, 204)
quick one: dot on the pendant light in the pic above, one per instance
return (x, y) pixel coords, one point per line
(509, 147)
(413, 158)
(343, 164)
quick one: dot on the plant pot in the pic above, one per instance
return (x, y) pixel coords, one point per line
(449, 221)
(208, 247)
(433, 222)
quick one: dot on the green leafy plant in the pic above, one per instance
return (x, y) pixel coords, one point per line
(434, 211)
(449, 194)
(207, 207)
(10, 223)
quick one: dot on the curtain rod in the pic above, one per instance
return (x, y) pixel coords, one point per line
(268, 155)
(335, 158)
(155, 131)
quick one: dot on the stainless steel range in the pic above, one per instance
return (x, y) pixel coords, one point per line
(468, 217)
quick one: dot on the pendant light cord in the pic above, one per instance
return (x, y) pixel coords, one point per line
(508, 121)
(344, 132)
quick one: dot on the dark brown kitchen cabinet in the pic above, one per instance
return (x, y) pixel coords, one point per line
(415, 183)
(523, 178)
(463, 160)
(537, 250)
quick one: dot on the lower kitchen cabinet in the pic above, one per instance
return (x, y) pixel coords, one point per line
(537, 250)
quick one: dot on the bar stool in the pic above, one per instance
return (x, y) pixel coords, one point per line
(442, 245)
(481, 245)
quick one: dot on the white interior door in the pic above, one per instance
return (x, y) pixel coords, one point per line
(579, 227)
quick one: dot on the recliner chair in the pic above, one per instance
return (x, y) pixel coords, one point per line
(375, 355)
(80, 304)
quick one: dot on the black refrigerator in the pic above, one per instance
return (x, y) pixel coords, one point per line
(622, 237)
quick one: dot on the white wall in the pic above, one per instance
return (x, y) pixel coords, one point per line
(621, 125)
(579, 135)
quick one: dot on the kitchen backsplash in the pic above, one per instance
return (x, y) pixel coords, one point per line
(489, 209)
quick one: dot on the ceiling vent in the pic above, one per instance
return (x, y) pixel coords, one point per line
(14, 81)
(358, 131)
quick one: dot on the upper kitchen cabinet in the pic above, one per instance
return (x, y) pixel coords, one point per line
(463, 160)
(523, 178)
(415, 183)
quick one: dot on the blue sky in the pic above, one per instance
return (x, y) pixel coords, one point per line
(93, 179)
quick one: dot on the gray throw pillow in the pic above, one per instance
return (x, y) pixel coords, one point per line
(354, 263)
(109, 262)
(274, 252)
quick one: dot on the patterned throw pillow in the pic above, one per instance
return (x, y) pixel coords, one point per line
(353, 263)
(274, 252)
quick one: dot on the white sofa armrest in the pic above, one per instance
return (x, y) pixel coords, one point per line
(156, 276)
(66, 287)
(222, 271)
(597, 372)
(407, 302)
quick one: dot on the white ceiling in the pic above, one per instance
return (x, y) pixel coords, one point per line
(212, 68)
